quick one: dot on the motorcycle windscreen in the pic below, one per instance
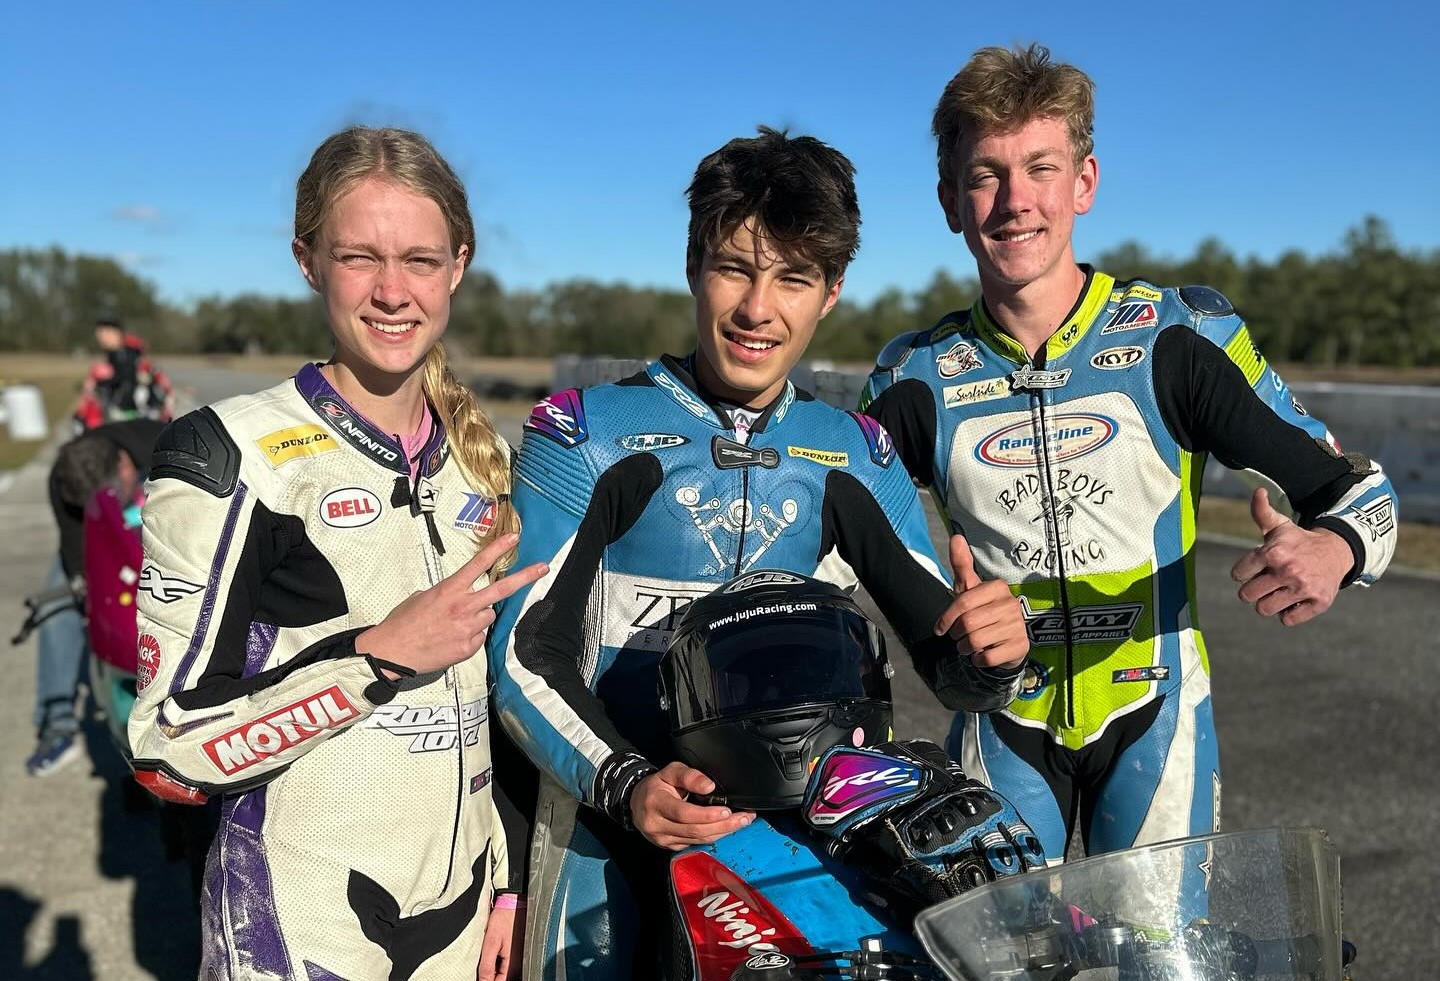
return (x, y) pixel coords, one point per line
(774, 662)
(1262, 905)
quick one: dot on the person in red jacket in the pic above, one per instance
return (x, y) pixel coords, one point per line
(124, 383)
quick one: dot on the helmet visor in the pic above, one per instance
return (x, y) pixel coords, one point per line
(771, 663)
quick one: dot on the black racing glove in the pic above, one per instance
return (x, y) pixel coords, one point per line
(906, 815)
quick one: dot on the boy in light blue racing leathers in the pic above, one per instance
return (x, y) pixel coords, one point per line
(645, 494)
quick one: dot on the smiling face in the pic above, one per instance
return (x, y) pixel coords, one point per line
(1015, 199)
(385, 267)
(755, 312)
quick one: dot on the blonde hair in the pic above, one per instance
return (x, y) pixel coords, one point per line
(1000, 89)
(408, 160)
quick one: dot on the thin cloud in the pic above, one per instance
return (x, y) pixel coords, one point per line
(137, 260)
(145, 214)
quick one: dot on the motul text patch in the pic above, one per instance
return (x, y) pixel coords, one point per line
(243, 747)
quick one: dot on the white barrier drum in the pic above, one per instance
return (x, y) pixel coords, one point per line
(23, 410)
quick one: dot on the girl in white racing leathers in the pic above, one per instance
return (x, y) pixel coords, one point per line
(317, 581)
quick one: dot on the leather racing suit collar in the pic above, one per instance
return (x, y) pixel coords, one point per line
(350, 426)
(1092, 299)
(676, 377)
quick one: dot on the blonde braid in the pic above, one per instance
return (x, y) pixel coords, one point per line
(480, 451)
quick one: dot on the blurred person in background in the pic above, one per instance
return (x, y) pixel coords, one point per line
(117, 455)
(123, 383)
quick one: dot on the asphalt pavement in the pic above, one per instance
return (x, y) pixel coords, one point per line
(1325, 725)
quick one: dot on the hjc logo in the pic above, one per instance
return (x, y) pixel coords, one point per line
(349, 507)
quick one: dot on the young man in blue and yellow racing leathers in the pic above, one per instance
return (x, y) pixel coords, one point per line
(1063, 423)
(645, 494)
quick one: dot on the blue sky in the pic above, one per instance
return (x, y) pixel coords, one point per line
(169, 134)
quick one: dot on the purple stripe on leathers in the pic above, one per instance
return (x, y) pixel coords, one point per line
(212, 590)
(240, 897)
(258, 645)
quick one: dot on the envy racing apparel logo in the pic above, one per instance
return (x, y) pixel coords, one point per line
(431, 728)
(349, 507)
(1378, 516)
(164, 589)
(285, 445)
(244, 746)
(477, 514)
(560, 417)
(1115, 621)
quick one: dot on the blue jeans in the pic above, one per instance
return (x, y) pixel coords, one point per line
(60, 656)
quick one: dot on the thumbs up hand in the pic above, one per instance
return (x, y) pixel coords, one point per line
(1294, 572)
(983, 618)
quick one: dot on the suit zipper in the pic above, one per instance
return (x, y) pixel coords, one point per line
(426, 520)
(744, 516)
(1052, 522)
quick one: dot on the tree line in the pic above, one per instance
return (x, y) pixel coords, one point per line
(1369, 302)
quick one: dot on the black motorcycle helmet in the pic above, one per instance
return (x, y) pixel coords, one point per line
(766, 673)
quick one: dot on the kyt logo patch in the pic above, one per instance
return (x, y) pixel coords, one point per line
(349, 507)
(1114, 358)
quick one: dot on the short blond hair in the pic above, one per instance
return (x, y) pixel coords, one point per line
(1000, 89)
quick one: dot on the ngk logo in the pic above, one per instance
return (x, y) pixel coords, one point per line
(247, 745)
(349, 507)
